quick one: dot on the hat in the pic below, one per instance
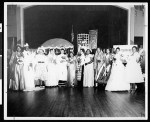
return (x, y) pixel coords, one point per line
(26, 45)
(62, 48)
(41, 48)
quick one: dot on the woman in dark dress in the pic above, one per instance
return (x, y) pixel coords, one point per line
(18, 78)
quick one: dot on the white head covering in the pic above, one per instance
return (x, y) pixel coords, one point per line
(26, 45)
(62, 48)
(41, 48)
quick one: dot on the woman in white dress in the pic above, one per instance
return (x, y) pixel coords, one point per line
(41, 68)
(88, 80)
(133, 69)
(71, 69)
(116, 80)
(62, 67)
(28, 69)
(52, 74)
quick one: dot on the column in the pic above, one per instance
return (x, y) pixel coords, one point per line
(145, 30)
(129, 14)
(18, 23)
(22, 25)
(132, 22)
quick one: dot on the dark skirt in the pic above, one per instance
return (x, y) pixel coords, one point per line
(108, 74)
(101, 78)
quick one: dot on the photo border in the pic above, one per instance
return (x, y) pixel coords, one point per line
(119, 4)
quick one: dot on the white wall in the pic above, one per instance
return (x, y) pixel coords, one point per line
(11, 21)
(139, 24)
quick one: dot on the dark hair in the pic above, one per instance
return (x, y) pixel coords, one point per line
(70, 54)
(83, 50)
(20, 47)
(89, 50)
(62, 49)
(117, 48)
(135, 48)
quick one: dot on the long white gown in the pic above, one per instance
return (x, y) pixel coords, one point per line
(62, 67)
(88, 80)
(116, 81)
(133, 70)
(52, 74)
(29, 71)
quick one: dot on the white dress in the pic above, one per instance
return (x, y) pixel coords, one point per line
(52, 74)
(133, 70)
(88, 80)
(116, 81)
(62, 67)
(29, 71)
(41, 67)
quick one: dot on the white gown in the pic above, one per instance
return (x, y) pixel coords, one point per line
(62, 67)
(116, 81)
(88, 80)
(29, 71)
(133, 70)
(52, 74)
(41, 67)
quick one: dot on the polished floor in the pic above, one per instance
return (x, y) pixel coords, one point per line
(75, 102)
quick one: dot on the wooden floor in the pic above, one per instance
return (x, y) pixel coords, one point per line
(75, 102)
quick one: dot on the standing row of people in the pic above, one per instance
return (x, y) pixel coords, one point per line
(29, 69)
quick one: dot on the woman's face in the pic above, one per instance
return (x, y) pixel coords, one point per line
(81, 52)
(88, 52)
(27, 48)
(52, 51)
(41, 52)
(19, 49)
(107, 51)
(71, 54)
(133, 49)
(104, 50)
(117, 50)
(62, 51)
(98, 50)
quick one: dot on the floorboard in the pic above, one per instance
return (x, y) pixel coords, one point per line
(75, 102)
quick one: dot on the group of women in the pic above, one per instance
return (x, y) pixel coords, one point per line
(30, 69)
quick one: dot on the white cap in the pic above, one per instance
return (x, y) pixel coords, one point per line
(26, 45)
(41, 48)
